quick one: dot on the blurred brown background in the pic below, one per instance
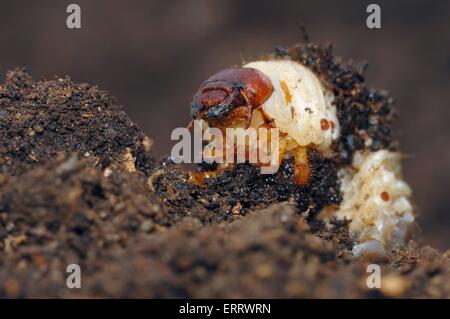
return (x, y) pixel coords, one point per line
(153, 55)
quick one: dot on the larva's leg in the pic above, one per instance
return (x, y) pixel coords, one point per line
(282, 149)
(302, 170)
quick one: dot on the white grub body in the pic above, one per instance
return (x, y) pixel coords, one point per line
(299, 104)
(376, 200)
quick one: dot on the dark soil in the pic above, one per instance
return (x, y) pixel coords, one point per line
(78, 185)
(243, 188)
(41, 119)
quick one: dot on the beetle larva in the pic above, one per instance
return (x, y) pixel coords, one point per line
(286, 94)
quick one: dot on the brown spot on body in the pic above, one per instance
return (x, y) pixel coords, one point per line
(324, 125)
(287, 93)
(292, 111)
(332, 124)
(385, 196)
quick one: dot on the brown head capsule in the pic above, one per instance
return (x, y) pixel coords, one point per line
(228, 98)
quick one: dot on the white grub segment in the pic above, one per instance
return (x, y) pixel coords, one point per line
(376, 200)
(299, 105)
